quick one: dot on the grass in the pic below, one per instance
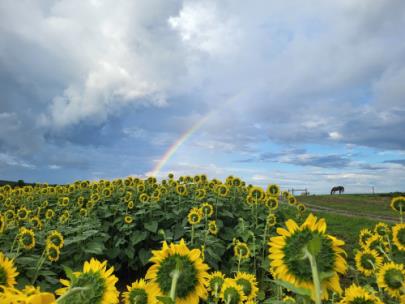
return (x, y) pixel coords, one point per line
(357, 204)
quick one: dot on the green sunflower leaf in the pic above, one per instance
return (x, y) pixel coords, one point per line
(293, 288)
(151, 226)
(165, 300)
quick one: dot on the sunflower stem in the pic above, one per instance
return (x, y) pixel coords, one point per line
(70, 292)
(175, 278)
(239, 258)
(315, 276)
(38, 266)
(384, 253)
(192, 234)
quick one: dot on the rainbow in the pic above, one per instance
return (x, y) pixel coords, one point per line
(177, 144)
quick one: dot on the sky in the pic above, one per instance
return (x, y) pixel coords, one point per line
(305, 94)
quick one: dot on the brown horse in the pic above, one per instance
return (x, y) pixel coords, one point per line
(339, 189)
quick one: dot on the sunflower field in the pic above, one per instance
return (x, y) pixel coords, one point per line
(188, 240)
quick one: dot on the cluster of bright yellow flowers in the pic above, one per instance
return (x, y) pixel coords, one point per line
(242, 288)
(376, 258)
(301, 255)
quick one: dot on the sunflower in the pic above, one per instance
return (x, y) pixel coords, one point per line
(287, 261)
(52, 252)
(107, 192)
(100, 283)
(200, 193)
(364, 235)
(292, 200)
(13, 296)
(212, 227)
(398, 236)
(271, 220)
(80, 202)
(207, 209)
(9, 215)
(194, 216)
(214, 282)
(181, 190)
(83, 212)
(27, 238)
(301, 207)
(358, 295)
(36, 222)
(232, 293)
(64, 201)
(49, 214)
(241, 250)
(192, 277)
(257, 193)
(382, 229)
(64, 217)
(273, 190)
(139, 292)
(288, 299)
(248, 283)
(128, 219)
(22, 213)
(55, 238)
(236, 182)
(368, 261)
(398, 203)
(143, 198)
(375, 242)
(2, 223)
(222, 190)
(272, 203)
(130, 204)
(44, 204)
(391, 278)
(8, 272)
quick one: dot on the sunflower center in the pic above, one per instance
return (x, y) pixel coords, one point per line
(401, 236)
(3, 276)
(394, 278)
(188, 275)
(367, 261)
(246, 286)
(300, 267)
(53, 253)
(138, 296)
(232, 294)
(55, 240)
(27, 239)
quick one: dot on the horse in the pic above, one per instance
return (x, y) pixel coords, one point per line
(339, 189)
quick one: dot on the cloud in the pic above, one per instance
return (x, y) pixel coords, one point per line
(202, 26)
(99, 86)
(300, 157)
(396, 161)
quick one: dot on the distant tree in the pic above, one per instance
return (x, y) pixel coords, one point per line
(20, 183)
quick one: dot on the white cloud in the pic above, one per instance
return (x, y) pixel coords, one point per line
(203, 27)
(335, 135)
(9, 160)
